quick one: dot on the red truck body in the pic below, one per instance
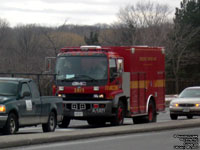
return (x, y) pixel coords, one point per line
(133, 87)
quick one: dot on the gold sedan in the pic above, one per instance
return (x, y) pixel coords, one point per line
(186, 104)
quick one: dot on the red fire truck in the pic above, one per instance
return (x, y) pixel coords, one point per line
(107, 84)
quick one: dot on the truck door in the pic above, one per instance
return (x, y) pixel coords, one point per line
(26, 106)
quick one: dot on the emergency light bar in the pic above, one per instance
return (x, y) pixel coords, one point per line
(90, 47)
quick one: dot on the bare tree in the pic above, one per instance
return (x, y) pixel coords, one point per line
(28, 40)
(178, 52)
(145, 21)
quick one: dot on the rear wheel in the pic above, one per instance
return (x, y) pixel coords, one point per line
(65, 123)
(152, 116)
(120, 114)
(173, 116)
(51, 124)
(11, 126)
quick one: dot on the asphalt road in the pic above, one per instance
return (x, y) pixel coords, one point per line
(165, 140)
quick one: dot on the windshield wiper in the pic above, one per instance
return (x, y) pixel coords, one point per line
(67, 80)
(85, 76)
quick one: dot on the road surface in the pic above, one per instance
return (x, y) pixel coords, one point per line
(165, 140)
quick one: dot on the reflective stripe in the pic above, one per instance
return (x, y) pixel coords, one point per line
(146, 83)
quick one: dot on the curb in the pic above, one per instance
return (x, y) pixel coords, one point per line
(41, 138)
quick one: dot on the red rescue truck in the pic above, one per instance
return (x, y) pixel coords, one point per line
(107, 84)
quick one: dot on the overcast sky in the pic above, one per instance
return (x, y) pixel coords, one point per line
(56, 12)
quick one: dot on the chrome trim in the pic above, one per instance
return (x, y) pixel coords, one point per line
(3, 118)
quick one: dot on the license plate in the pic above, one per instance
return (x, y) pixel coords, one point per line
(186, 110)
(78, 114)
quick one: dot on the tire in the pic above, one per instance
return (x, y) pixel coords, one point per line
(138, 120)
(173, 116)
(152, 116)
(65, 123)
(189, 116)
(120, 114)
(96, 122)
(11, 126)
(51, 124)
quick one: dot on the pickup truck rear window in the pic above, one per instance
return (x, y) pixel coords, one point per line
(8, 88)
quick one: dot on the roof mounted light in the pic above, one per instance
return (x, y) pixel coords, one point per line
(90, 47)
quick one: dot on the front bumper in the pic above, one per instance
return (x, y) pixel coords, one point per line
(182, 111)
(85, 109)
(3, 119)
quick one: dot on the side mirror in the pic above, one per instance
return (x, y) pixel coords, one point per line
(26, 94)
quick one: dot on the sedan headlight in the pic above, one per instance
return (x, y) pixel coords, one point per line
(174, 105)
(197, 105)
(2, 108)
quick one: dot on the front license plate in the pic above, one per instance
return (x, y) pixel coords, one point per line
(186, 110)
(78, 114)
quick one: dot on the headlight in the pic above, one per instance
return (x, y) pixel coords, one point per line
(197, 105)
(2, 108)
(174, 105)
(62, 95)
(98, 95)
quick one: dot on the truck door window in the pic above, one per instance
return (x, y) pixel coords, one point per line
(25, 88)
(113, 69)
(34, 89)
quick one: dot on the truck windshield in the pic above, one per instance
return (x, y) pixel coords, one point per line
(90, 68)
(8, 88)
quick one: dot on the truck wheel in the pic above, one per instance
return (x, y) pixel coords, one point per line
(96, 122)
(65, 123)
(138, 120)
(173, 116)
(152, 116)
(120, 113)
(11, 126)
(51, 124)
(189, 116)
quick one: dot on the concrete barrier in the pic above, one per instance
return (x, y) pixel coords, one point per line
(41, 138)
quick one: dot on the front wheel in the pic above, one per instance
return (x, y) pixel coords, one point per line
(11, 126)
(96, 123)
(120, 114)
(65, 123)
(173, 116)
(189, 116)
(51, 124)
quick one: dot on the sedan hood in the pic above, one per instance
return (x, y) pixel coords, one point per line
(186, 100)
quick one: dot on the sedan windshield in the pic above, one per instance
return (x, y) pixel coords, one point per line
(89, 68)
(8, 88)
(190, 93)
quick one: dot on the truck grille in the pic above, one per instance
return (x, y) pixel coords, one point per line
(186, 105)
(78, 106)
